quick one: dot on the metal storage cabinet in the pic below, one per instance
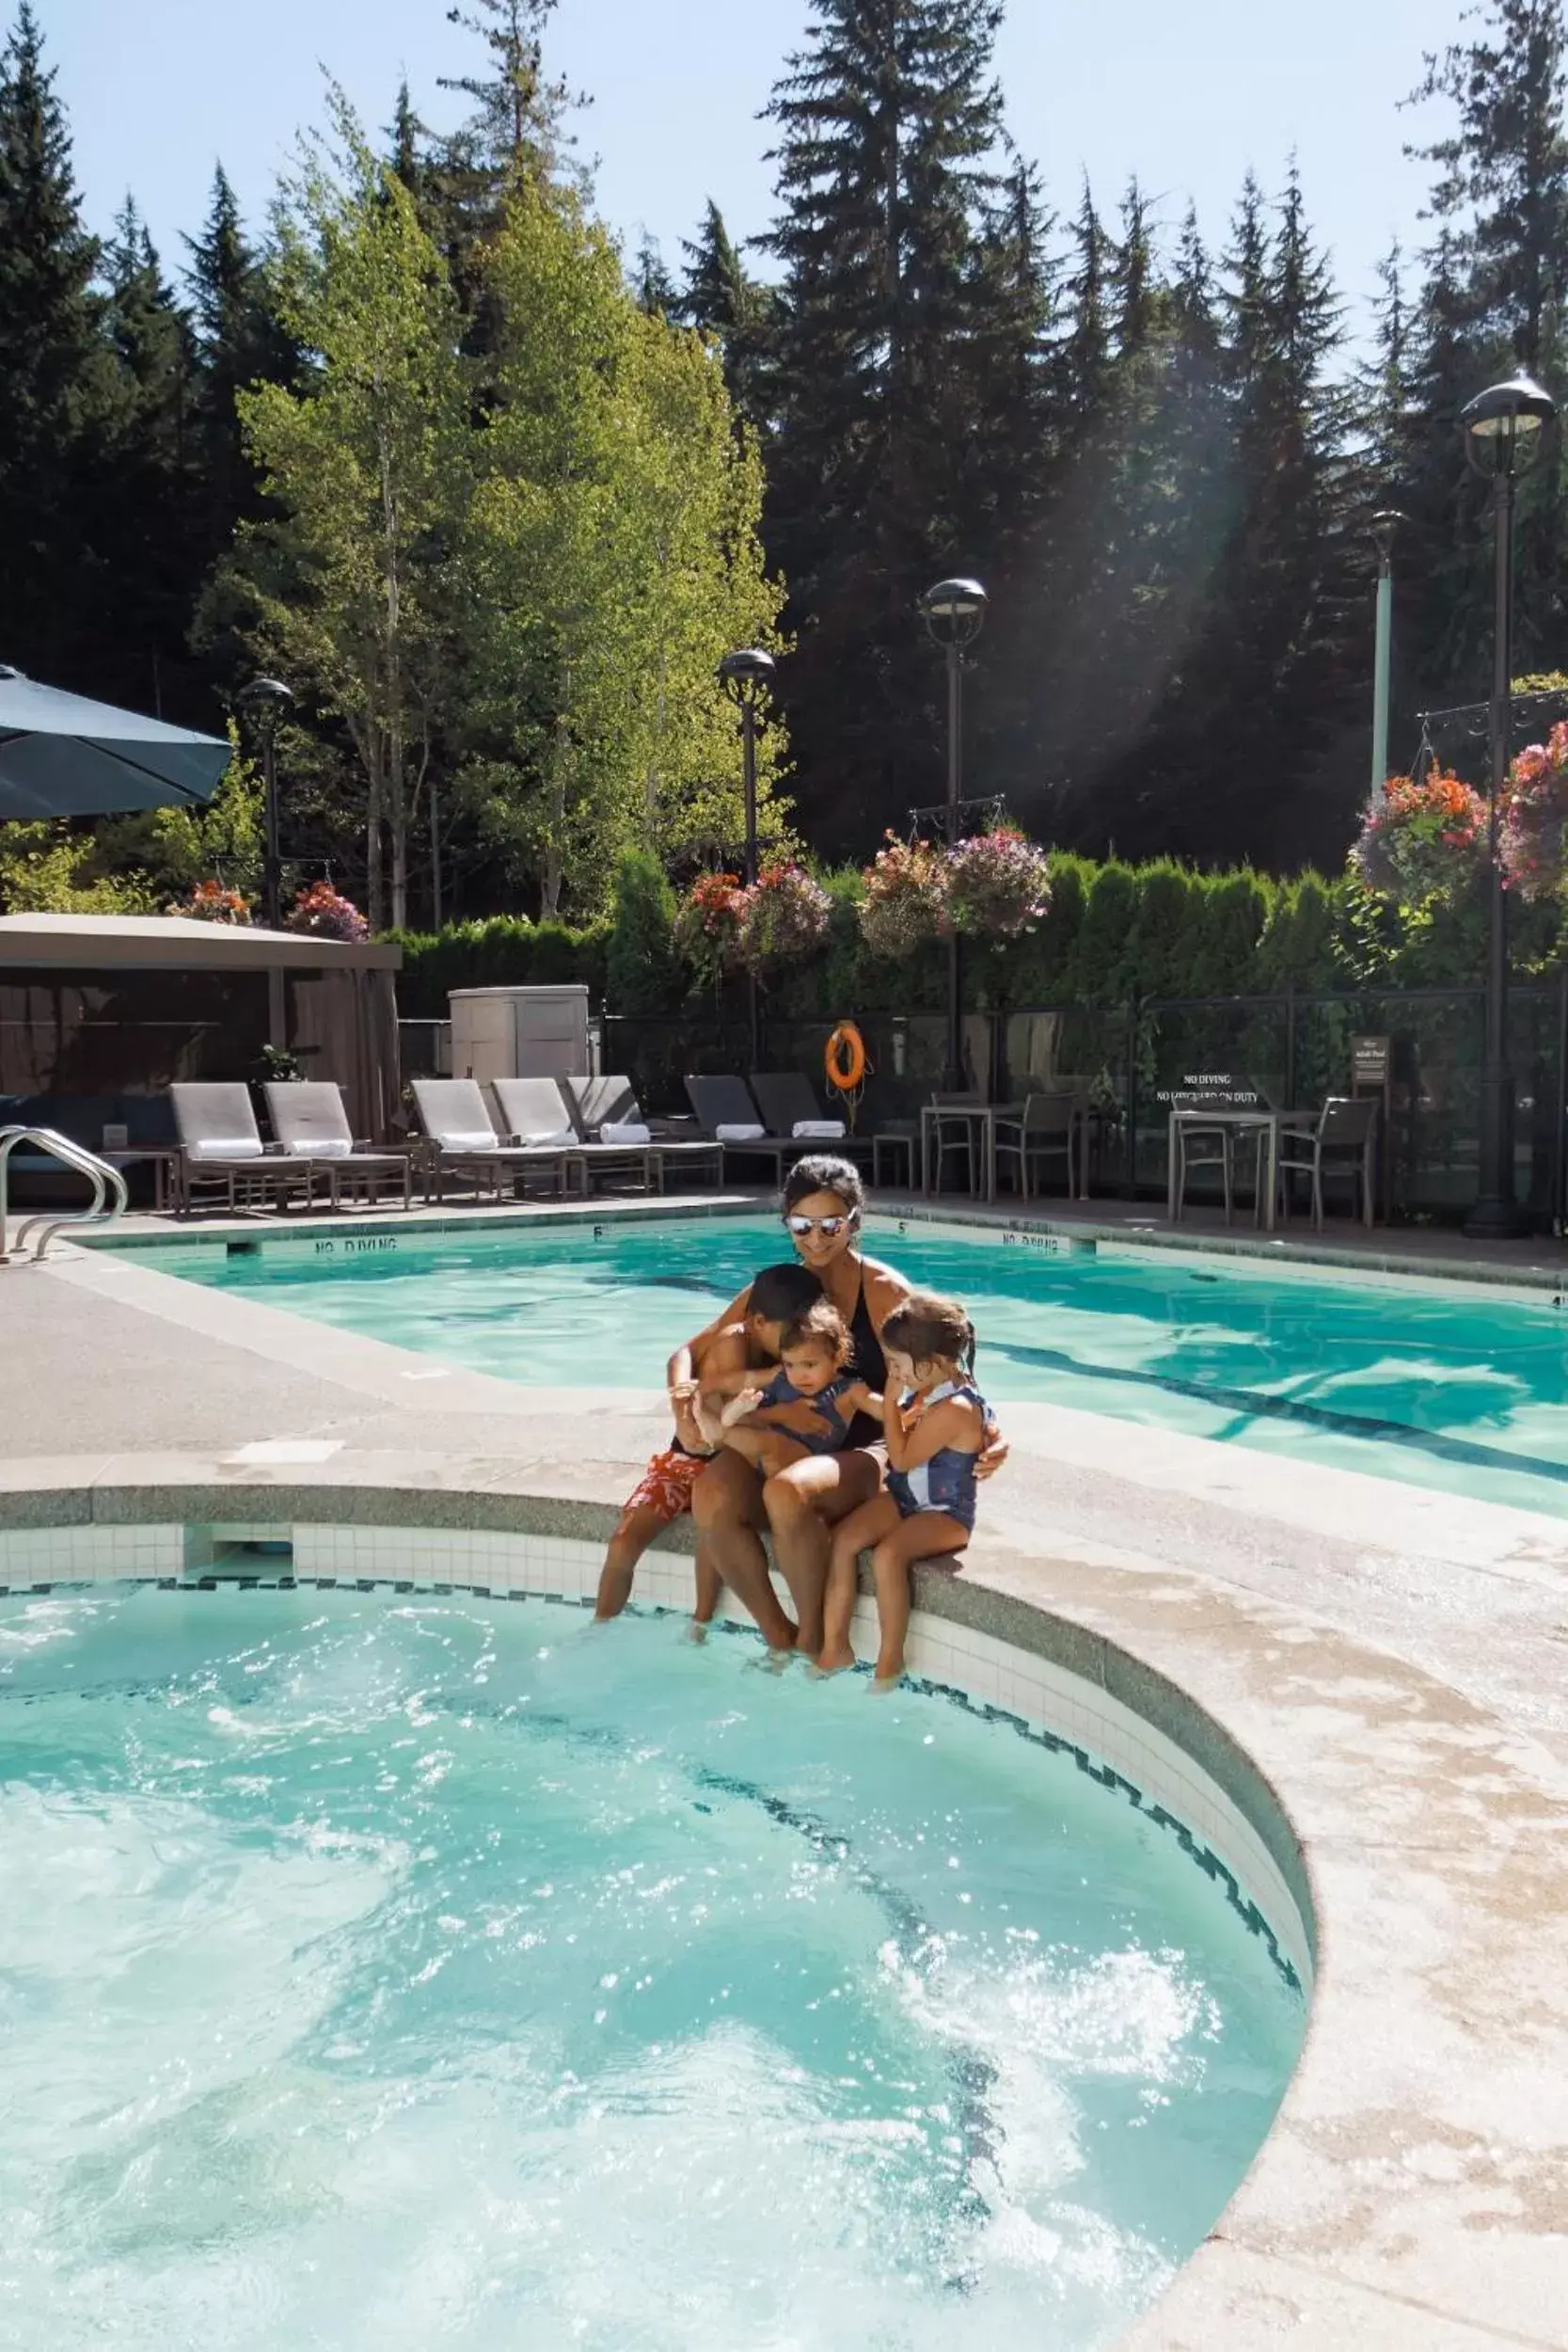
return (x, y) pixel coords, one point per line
(520, 1032)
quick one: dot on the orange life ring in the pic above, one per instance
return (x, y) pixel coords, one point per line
(845, 1058)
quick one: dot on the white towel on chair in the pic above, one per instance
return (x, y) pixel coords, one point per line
(209, 1148)
(625, 1131)
(741, 1135)
(556, 1140)
(318, 1148)
(819, 1130)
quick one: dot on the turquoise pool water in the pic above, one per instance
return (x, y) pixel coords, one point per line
(378, 1976)
(1439, 1386)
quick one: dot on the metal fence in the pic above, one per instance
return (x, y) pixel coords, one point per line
(1132, 1057)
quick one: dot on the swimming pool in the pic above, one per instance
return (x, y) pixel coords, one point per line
(386, 1972)
(1435, 1384)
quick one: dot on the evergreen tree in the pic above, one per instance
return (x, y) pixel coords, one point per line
(58, 379)
(890, 127)
(652, 283)
(720, 298)
(1502, 185)
(241, 341)
(147, 516)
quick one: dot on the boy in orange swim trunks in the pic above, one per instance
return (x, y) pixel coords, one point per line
(664, 1490)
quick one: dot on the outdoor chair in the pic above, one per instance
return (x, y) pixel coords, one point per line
(221, 1148)
(538, 1111)
(1340, 1142)
(726, 1112)
(955, 1133)
(788, 1103)
(310, 1123)
(461, 1139)
(1046, 1128)
(1201, 1146)
(606, 1110)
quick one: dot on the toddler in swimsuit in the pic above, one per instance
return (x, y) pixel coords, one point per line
(731, 1361)
(935, 1422)
(807, 1406)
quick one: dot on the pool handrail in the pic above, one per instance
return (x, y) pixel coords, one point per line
(100, 1174)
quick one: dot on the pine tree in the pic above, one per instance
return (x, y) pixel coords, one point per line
(890, 128)
(58, 379)
(148, 522)
(240, 342)
(651, 282)
(720, 298)
(1503, 173)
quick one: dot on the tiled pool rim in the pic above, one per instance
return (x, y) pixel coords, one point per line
(1134, 1734)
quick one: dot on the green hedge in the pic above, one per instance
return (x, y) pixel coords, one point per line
(502, 951)
(1112, 931)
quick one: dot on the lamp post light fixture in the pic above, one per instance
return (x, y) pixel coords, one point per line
(747, 678)
(954, 614)
(268, 698)
(1505, 431)
(1384, 524)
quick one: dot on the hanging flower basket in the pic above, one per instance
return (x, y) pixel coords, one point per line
(1428, 841)
(998, 885)
(325, 914)
(904, 906)
(1531, 837)
(707, 926)
(783, 919)
(210, 903)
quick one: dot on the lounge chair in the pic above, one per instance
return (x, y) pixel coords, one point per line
(220, 1145)
(602, 1106)
(789, 1103)
(537, 1111)
(461, 1139)
(310, 1123)
(727, 1115)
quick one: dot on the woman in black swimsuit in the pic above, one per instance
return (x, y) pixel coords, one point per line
(823, 1205)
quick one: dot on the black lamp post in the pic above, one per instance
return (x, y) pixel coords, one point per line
(268, 698)
(1505, 432)
(747, 678)
(954, 613)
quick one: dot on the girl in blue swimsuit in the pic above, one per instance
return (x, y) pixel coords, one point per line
(935, 1423)
(809, 1407)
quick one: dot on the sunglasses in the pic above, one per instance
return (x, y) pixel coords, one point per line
(829, 1227)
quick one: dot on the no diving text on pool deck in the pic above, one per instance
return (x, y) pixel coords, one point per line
(355, 1245)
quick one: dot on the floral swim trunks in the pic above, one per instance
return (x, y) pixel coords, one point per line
(665, 1487)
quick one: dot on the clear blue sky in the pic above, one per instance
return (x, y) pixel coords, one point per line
(1184, 93)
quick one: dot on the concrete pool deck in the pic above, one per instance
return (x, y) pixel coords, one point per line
(1392, 1660)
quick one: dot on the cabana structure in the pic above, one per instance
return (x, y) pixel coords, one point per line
(100, 1013)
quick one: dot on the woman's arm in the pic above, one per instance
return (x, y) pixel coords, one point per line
(885, 1288)
(682, 1364)
(955, 1424)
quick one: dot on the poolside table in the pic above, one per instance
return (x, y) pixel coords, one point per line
(984, 1116)
(1257, 1120)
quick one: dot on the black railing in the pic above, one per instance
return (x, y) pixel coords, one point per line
(1296, 1048)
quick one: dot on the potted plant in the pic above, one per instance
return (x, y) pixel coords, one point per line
(783, 918)
(1533, 817)
(325, 914)
(903, 903)
(707, 927)
(997, 885)
(211, 902)
(1427, 841)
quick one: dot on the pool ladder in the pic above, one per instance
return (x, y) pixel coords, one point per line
(106, 1182)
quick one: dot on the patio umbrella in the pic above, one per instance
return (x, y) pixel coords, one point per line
(61, 756)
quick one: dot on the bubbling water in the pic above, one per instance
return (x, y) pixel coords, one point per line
(394, 1976)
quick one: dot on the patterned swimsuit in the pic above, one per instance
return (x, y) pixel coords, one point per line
(833, 1435)
(946, 1481)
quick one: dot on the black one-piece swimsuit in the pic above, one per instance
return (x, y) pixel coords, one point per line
(869, 1364)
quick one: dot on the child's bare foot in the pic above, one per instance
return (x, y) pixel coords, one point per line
(696, 1630)
(834, 1662)
(738, 1406)
(889, 1674)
